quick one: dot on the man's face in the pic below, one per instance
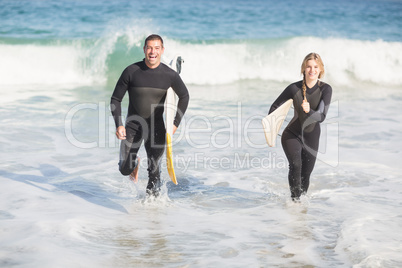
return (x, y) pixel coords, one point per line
(153, 51)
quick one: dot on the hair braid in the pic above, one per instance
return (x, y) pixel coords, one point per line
(304, 86)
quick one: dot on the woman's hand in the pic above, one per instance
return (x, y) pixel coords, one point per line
(306, 106)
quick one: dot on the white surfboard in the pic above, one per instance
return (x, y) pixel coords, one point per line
(170, 113)
(272, 123)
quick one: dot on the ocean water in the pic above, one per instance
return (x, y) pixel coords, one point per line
(63, 202)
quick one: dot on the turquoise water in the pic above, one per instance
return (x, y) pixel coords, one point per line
(64, 203)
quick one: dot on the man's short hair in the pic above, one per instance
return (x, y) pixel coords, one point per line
(153, 37)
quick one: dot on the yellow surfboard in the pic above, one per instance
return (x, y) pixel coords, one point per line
(272, 123)
(170, 113)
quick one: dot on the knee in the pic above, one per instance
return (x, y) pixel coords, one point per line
(125, 172)
(126, 168)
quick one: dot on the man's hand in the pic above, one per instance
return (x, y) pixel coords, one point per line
(121, 133)
(174, 129)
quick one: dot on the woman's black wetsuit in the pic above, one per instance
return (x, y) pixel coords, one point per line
(147, 92)
(300, 139)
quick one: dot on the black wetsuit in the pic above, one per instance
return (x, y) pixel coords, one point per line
(147, 89)
(300, 139)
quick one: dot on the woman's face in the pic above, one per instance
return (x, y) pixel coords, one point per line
(312, 71)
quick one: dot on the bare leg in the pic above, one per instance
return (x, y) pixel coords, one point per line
(134, 175)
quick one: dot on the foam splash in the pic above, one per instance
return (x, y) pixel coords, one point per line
(346, 61)
(38, 64)
(214, 63)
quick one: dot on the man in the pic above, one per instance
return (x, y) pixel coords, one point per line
(146, 82)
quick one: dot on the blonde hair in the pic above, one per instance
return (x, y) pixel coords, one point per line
(317, 58)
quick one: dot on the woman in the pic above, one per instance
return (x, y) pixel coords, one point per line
(311, 99)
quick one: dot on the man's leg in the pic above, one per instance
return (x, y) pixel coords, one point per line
(129, 149)
(155, 147)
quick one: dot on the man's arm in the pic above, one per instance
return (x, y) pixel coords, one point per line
(181, 90)
(115, 103)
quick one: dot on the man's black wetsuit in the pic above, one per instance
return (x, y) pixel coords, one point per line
(300, 139)
(147, 89)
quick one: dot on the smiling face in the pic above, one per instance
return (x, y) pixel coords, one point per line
(312, 70)
(153, 51)
(312, 67)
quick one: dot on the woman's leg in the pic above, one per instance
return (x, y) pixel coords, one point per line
(292, 147)
(309, 156)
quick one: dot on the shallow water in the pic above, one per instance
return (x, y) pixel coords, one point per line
(62, 203)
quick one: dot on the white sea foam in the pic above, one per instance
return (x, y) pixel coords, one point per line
(212, 63)
(346, 61)
(42, 65)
